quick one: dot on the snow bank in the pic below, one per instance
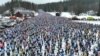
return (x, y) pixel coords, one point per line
(69, 15)
(85, 17)
(63, 14)
(52, 13)
(88, 22)
(35, 14)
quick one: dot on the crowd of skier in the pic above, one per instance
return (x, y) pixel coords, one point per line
(46, 35)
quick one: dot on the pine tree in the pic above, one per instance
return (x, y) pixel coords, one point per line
(98, 14)
(11, 8)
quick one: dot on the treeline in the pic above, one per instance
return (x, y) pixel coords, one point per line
(23, 4)
(60, 6)
(76, 6)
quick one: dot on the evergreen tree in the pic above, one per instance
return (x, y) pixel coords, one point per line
(99, 9)
(11, 8)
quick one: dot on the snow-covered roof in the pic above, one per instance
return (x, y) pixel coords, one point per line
(21, 10)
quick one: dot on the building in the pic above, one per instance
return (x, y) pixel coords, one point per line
(22, 11)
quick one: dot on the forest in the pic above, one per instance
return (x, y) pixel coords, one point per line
(76, 6)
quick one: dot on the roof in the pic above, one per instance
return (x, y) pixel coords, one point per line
(21, 10)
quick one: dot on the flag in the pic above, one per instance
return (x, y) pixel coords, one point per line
(43, 49)
(63, 45)
(56, 48)
(1, 44)
(5, 48)
(11, 51)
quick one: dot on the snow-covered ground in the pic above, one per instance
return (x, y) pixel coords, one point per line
(88, 22)
(70, 15)
(84, 17)
(63, 14)
(35, 14)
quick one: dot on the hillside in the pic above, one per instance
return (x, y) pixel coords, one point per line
(76, 6)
